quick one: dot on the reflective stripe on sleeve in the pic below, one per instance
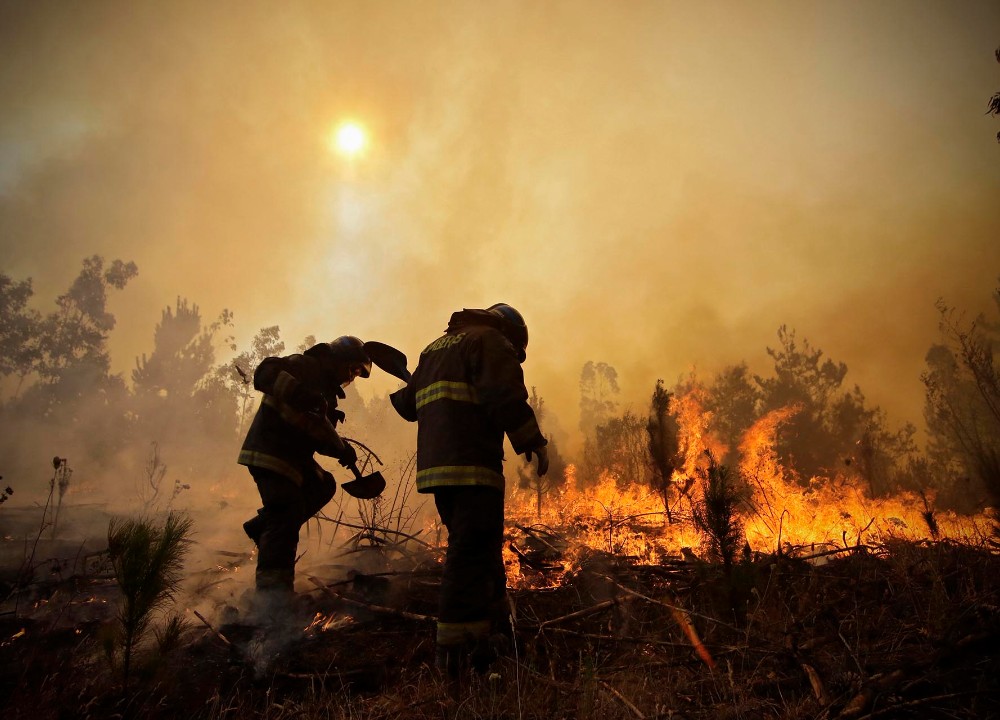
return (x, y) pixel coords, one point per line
(254, 458)
(446, 390)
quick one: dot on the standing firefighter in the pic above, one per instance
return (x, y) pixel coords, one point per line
(465, 394)
(296, 418)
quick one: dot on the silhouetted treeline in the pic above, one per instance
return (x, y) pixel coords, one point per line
(173, 427)
(176, 426)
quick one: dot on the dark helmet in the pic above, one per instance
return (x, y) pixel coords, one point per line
(512, 326)
(347, 350)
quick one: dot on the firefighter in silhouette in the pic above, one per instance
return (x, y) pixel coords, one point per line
(297, 418)
(466, 393)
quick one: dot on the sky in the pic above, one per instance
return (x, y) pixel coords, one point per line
(655, 185)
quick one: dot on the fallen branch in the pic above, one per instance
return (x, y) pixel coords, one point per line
(683, 618)
(893, 710)
(583, 613)
(624, 700)
(219, 635)
(374, 608)
(386, 531)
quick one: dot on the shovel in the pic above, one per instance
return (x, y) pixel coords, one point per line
(364, 487)
(388, 358)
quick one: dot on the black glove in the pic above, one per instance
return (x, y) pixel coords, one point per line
(349, 456)
(335, 416)
(543, 459)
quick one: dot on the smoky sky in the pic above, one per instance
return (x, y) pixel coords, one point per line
(656, 185)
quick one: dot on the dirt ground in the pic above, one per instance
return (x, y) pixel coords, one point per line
(894, 630)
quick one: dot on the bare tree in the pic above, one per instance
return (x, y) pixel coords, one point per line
(994, 105)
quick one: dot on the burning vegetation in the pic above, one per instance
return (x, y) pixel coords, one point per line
(745, 546)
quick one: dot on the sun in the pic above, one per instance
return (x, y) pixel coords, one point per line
(349, 139)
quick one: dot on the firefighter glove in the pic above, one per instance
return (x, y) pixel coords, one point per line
(348, 456)
(543, 459)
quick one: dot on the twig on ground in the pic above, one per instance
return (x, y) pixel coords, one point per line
(217, 634)
(377, 529)
(374, 608)
(583, 613)
(624, 700)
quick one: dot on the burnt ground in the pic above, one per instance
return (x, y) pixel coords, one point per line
(895, 630)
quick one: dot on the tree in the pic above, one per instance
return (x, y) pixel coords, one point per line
(177, 401)
(833, 428)
(598, 390)
(663, 444)
(182, 353)
(619, 448)
(803, 378)
(962, 401)
(716, 514)
(73, 359)
(528, 479)
(19, 330)
(993, 108)
(238, 374)
(733, 400)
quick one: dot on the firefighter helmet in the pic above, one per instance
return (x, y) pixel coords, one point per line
(513, 327)
(348, 351)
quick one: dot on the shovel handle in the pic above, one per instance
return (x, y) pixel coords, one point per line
(354, 469)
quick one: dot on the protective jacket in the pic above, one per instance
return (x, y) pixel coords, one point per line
(288, 427)
(465, 394)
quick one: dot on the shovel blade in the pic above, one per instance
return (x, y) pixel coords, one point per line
(365, 488)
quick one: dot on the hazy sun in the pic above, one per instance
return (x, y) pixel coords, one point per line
(349, 139)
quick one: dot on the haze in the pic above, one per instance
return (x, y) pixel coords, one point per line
(656, 185)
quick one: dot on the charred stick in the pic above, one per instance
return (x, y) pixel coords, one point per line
(683, 619)
(624, 700)
(817, 684)
(374, 608)
(835, 551)
(387, 531)
(217, 634)
(893, 710)
(583, 613)
(668, 606)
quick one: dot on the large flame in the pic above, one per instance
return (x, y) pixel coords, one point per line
(782, 513)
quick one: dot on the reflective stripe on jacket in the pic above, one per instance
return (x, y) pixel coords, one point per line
(281, 438)
(465, 394)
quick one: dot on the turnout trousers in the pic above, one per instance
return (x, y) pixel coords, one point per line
(474, 584)
(275, 529)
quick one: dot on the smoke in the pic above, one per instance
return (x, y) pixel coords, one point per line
(655, 185)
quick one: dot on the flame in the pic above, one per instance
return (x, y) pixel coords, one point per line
(783, 513)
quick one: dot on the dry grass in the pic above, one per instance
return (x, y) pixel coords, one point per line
(896, 631)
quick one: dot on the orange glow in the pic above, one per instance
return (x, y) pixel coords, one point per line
(783, 513)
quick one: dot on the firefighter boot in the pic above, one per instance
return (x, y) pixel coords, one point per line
(487, 650)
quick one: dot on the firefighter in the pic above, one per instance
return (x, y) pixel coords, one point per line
(466, 393)
(297, 418)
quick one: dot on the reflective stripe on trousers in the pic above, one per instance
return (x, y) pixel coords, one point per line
(474, 579)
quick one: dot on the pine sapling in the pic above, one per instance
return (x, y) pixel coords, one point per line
(147, 561)
(717, 512)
